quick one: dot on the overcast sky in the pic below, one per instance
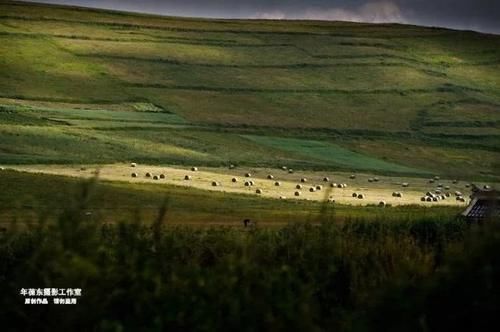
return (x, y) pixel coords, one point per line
(479, 15)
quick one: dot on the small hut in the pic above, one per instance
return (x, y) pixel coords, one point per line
(485, 205)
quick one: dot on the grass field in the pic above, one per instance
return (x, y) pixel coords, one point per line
(389, 99)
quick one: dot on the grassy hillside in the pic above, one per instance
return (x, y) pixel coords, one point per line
(84, 85)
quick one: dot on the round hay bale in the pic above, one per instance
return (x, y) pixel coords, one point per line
(422, 198)
(431, 181)
(326, 179)
(277, 183)
(133, 165)
(156, 177)
(352, 176)
(428, 199)
(215, 184)
(344, 185)
(270, 177)
(231, 166)
(194, 169)
(284, 168)
(437, 178)
(361, 196)
(297, 193)
(370, 180)
(247, 184)
(148, 175)
(162, 176)
(434, 199)
(290, 171)
(486, 187)
(467, 185)
(252, 183)
(440, 185)
(447, 194)
(458, 193)
(376, 179)
(438, 191)
(331, 200)
(303, 180)
(447, 187)
(134, 175)
(405, 184)
(354, 195)
(398, 194)
(333, 185)
(455, 181)
(312, 189)
(381, 203)
(443, 197)
(258, 191)
(394, 193)
(282, 197)
(299, 186)
(247, 175)
(319, 187)
(187, 177)
(234, 180)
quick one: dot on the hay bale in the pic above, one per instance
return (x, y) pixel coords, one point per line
(319, 187)
(284, 168)
(299, 186)
(381, 203)
(326, 179)
(437, 178)
(282, 197)
(431, 181)
(361, 196)
(455, 181)
(297, 193)
(370, 180)
(405, 184)
(148, 175)
(354, 195)
(344, 185)
(447, 187)
(194, 169)
(277, 183)
(443, 197)
(458, 193)
(133, 165)
(234, 180)
(440, 185)
(486, 187)
(303, 180)
(331, 200)
(422, 198)
(434, 199)
(134, 175)
(447, 194)
(247, 184)
(467, 185)
(247, 175)
(252, 183)
(270, 177)
(333, 185)
(352, 177)
(394, 193)
(376, 179)
(312, 189)
(231, 166)
(258, 191)
(428, 199)
(162, 176)
(187, 177)
(399, 195)
(156, 177)
(290, 171)
(215, 184)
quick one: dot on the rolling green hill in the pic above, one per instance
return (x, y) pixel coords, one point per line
(81, 85)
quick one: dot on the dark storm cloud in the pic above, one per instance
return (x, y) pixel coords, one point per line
(481, 15)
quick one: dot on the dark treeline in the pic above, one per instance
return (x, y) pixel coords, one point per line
(418, 274)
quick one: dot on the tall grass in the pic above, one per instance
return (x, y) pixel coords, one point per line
(406, 275)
